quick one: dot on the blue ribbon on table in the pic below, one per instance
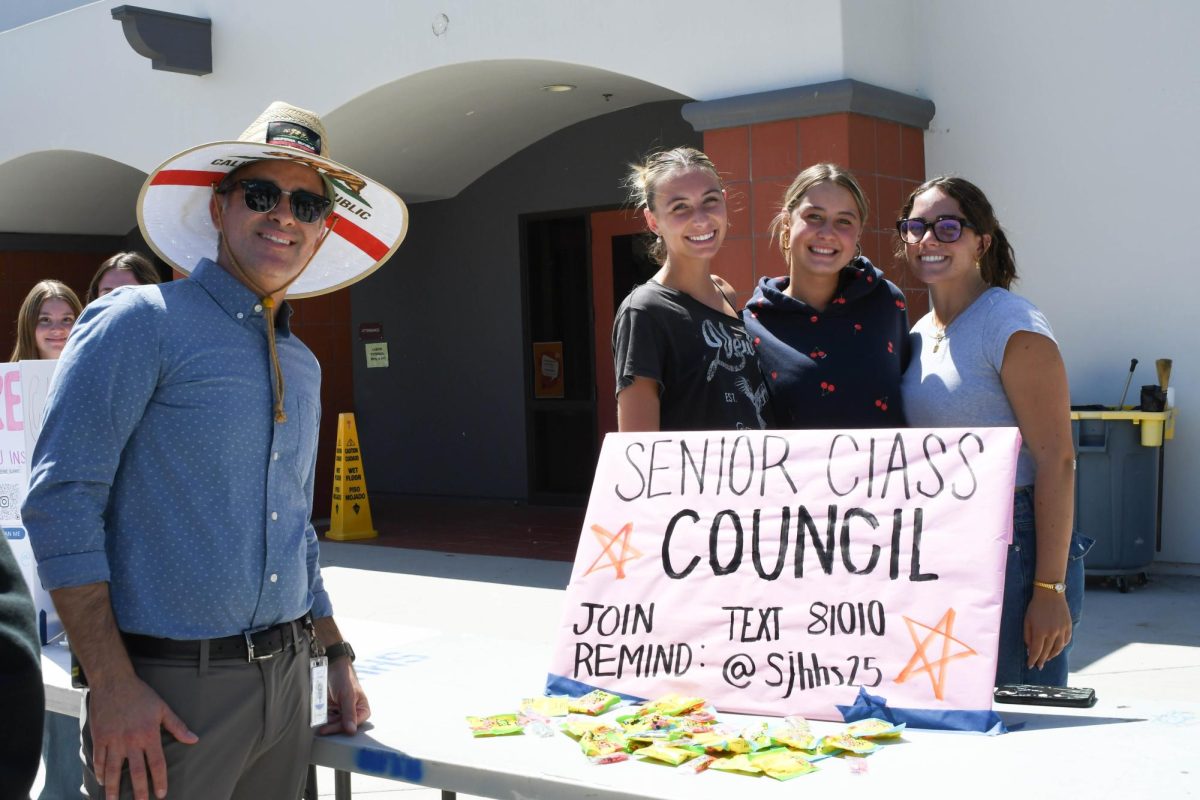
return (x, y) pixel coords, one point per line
(868, 706)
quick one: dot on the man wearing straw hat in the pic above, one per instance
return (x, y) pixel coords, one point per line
(171, 491)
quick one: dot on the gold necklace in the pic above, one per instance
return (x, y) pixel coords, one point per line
(938, 339)
(940, 336)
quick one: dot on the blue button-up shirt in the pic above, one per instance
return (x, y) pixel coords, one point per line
(161, 470)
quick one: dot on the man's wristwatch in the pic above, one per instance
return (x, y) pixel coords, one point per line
(336, 651)
(1057, 588)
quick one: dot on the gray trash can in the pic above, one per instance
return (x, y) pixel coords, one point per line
(1118, 488)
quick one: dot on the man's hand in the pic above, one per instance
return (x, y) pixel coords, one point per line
(124, 714)
(125, 718)
(348, 706)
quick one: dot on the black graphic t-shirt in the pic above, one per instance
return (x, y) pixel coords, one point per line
(703, 360)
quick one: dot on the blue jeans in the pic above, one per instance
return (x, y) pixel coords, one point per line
(1019, 575)
(60, 752)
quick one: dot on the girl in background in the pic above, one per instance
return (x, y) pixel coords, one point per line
(43, 325)
(122, 269)
(45, 320)
(682, 356)
(986, 357)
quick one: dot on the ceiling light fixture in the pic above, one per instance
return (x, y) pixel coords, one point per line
(558, 87)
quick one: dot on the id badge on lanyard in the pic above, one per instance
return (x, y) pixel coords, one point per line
(319, 703)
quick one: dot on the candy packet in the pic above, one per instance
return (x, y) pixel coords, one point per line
(796, 739)
(536, 724)
(594, 702)
(875, 729)
(668, 754)
(576, 726)
(782, 765)
(696, 765)
(756, 737)
(647, 722)
(706, 715)
(721, 742)
(609, 758)
(737, 763)
(673, 705)
(850, 744)
(602, 743)
(546, 706)
(689, 727)
(650, 737)
(495, 725)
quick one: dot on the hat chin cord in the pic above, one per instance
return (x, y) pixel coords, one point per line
(268, 302)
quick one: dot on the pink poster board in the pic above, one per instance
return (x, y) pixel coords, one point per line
(778, 572)
(23, 390)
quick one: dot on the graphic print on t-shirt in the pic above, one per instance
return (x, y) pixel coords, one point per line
(731, 352)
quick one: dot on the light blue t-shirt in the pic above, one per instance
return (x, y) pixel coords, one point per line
(959, 385)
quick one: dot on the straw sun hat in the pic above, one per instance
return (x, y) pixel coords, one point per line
(368, 220)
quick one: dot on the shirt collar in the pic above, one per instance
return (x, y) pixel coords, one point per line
(234, 297)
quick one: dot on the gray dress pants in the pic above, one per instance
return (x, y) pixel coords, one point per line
(252, 720)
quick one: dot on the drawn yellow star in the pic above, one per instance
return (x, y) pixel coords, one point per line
(944, 629)
(608, 541)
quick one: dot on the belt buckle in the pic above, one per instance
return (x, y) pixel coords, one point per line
(251, 656)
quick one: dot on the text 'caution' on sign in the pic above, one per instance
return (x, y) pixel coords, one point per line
(351, 513)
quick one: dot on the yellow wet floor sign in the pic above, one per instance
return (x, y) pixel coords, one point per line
(351, 517)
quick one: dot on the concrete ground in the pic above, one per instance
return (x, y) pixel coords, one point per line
(1143, 645)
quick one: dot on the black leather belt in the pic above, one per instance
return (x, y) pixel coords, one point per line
(246, 646)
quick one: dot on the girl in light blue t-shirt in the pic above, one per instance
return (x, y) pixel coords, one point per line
(986, 357)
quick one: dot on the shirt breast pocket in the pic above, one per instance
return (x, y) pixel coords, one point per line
(301, 430)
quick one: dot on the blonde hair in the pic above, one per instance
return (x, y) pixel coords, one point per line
(806, 180)
(27, 318)
(643, 180)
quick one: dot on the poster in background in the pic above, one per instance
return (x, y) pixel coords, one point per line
(781, 572)
(548, 370)
(24, 387)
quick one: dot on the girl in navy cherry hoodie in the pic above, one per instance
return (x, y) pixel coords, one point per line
(832, 335)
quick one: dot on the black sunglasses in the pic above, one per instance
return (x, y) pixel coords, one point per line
(946, 228)
(262, 196)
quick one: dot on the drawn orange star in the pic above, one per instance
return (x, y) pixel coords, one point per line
(944, 629)
(608, 541)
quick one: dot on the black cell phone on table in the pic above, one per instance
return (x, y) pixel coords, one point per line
(1025, 694)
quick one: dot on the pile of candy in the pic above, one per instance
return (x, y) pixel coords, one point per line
(685, 732)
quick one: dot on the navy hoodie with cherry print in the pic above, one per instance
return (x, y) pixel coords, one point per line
(837, 368)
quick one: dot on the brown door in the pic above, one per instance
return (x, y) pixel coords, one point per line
(618, 262)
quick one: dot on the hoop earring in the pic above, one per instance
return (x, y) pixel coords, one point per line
(857, 250)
